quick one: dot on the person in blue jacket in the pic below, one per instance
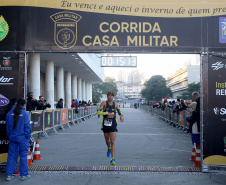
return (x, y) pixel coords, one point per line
(18, 132)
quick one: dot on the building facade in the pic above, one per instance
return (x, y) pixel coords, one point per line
(130, 91)
(67, 76)
(178, 82)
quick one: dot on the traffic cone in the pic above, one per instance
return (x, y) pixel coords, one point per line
(198, 157)
(29, 161)
(37, 154)
(193, 154)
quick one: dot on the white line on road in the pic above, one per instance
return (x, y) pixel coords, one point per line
(176, 150)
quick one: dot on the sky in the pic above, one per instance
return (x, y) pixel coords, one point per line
(155, 64)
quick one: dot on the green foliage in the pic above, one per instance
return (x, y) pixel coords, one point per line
(155, 89)
(105, 87)
(187, 95)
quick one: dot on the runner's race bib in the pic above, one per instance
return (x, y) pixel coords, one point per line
(108, 122)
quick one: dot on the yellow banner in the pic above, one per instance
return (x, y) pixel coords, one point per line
(146, 8)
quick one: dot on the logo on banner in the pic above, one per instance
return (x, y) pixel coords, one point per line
(218, 111)
(6, 61)
(6, 81)
(4, 28)
(222, 28)
(217, 65)
(3, 100)
(65, 29)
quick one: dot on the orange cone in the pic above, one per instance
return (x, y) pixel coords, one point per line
(198, 157)
(29, 161)
(193, 154)
(37, 154)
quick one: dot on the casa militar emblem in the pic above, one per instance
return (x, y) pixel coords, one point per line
(6, 61)
(65, 29)
(4, 28)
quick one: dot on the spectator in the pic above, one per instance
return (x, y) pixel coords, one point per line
(31, 102)
(11, 105)
(43, 104)
(76, 102)
(183, 106)
(83, 104)
(195, 97)
(80, 104)
(193, 126)
(60, 104)
(73, 103)
(18, 131)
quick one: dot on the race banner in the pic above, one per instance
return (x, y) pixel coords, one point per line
(11, 86)
(78, 25)
(214, 112)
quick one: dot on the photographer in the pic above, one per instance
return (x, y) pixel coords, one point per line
(43, 104)
(31, 102)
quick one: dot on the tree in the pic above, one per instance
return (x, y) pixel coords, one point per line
(96, 94)
(156, 89)
(105, 87)
(188, 93)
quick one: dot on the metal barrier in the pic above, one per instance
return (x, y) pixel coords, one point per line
(49, 120)
(56, 118)
(43, 122)
(176, 119)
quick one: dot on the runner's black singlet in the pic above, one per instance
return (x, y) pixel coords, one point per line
(109, 124)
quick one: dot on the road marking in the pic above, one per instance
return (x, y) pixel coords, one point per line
(174, 140)
(176, 150)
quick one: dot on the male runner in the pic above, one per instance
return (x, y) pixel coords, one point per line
(109, 124)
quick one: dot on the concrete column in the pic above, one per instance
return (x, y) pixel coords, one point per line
(60, 82)
(83, 90)
(34, 71)
(87, 91)
(74, 85)
(67, 89)
(91, 92)
(79, 89)
(49, 83)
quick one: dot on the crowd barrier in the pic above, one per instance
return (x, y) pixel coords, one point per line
(176, 119)
(46, 121)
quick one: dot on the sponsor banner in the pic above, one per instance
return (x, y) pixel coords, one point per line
(151, 8)
(56, 117)
(48, 119)
(70, 113)
(48, 29)
(214, 116)
(63, 116)
(11, 86)
(37, 119)
(181, 118)
(74, 114)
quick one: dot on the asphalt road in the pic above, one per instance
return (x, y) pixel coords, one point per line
(143, 140)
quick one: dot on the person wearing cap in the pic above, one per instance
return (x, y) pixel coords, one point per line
(109, 125)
